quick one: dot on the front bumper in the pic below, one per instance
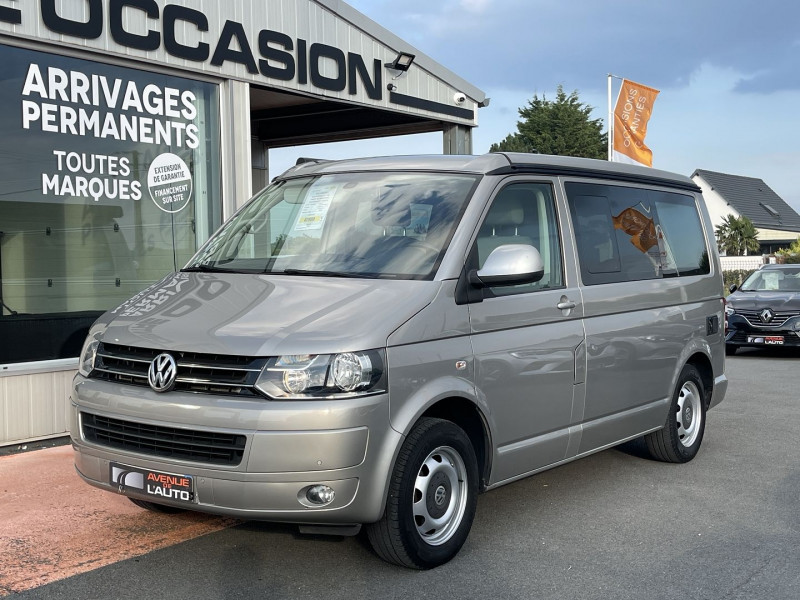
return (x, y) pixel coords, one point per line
(347, 445)
(742, 333)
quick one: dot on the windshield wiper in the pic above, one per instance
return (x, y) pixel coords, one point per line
(320, 273)
(205, 269)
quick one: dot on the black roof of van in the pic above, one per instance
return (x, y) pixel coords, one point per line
(498, 164)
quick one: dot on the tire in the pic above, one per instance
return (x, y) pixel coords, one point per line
(155, 507)
(680, 439)
(730, 349)
(432, 498)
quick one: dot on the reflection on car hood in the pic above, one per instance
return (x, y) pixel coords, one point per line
(777, 300)
(265, 315)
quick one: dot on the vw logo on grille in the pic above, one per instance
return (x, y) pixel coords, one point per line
(766, 315)
(162, 373)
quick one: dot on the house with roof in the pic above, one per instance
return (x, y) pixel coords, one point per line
(777, 223)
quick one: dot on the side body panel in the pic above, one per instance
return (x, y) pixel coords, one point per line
(639, 334)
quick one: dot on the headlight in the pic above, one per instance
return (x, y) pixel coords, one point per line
(89, 352)
(309, 376)
(729, 310)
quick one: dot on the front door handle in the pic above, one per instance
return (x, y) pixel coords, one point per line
(566, 304)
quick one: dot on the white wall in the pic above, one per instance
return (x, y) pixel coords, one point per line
(717, 206)
(34, 406)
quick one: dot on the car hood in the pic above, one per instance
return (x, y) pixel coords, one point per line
(265, 315)
(777, 301)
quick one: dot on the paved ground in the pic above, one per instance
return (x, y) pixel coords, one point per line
(52, 525)
(724, 527)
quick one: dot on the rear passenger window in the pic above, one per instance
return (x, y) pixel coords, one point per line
(633, 234)
(680, 223)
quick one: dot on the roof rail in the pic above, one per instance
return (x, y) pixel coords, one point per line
(305, 159)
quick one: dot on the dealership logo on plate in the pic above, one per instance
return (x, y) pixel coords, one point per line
(169, 182)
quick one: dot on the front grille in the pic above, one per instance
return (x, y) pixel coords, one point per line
(754, 317)
(164, 442)
(204, 373)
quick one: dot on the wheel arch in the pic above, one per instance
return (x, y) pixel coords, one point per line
(467, 416)
(702, 363)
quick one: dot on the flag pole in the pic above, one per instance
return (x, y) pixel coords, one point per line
(610, 120)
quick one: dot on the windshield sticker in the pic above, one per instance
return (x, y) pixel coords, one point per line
(771, 281)
(315, 208)
(420, 219)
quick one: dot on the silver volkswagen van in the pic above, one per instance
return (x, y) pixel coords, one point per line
(375, 342)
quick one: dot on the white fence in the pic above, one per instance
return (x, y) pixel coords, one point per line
(744, 263)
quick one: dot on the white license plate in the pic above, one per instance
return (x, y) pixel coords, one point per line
(768, 340)
(161, 486)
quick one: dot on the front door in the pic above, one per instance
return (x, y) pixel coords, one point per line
(525, 337)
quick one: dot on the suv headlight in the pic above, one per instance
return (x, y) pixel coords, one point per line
(89, 352)
(310, 376)
(729, 310)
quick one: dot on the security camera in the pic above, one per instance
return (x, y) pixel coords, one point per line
(459, 98)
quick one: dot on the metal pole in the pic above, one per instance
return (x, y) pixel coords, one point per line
(611, 118)
(610, 121)
(2, 304)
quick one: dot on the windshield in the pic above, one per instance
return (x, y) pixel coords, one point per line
(394, 225)
(783, 280)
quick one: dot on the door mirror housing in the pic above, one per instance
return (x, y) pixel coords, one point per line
(509, 264)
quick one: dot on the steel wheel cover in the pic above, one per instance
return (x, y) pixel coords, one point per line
(440, 495)
(689, 415)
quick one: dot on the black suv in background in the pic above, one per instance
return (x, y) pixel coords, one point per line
(765, 310)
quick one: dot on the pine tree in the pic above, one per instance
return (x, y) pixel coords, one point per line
(562, 126)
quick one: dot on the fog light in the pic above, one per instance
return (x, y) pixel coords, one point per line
(320, 495)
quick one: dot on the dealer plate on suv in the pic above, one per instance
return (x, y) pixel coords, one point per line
(769, 340)
(158, 485)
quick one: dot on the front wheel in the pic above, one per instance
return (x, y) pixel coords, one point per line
(432, 497)
(680, 439)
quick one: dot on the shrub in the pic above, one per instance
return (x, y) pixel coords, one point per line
(790, 255)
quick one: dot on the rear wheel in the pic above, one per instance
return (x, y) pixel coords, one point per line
(160, 508)
(432, 497)
(680, 439)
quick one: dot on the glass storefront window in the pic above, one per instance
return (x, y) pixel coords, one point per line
(110, 180)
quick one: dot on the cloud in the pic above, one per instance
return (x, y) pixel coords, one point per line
(476, 6)
(523, 43)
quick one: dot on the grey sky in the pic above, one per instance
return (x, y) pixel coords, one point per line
(728, 71)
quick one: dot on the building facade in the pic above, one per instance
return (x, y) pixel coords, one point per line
(132, 128)
(777, 224)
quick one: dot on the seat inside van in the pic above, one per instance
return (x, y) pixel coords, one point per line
(506, 222)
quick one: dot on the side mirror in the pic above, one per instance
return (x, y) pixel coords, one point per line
(733, 287)
(509, 264)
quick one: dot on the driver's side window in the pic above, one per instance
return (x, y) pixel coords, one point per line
(523, 213)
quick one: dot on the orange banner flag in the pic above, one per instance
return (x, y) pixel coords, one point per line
(631, 114)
